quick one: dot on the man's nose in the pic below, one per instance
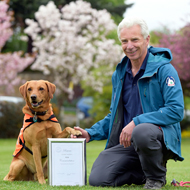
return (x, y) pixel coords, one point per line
(130, 45)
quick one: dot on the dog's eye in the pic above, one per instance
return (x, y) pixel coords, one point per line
(41, 88)
(29, 89)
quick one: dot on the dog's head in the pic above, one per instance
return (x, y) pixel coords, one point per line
(37, 92)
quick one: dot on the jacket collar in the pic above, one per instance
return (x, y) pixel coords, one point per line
(157, 58)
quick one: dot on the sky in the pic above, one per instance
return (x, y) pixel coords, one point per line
(160, 13)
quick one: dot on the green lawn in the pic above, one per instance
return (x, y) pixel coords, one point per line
(178, 170)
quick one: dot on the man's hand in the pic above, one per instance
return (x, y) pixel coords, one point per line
(125, 136)
(84, 134)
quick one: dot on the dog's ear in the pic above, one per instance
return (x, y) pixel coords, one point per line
(51, 89)
(23, 89)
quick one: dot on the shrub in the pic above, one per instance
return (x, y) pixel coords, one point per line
(11, 119)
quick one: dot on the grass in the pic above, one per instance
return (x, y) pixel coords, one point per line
(178, 170)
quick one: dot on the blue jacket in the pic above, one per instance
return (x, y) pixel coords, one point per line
(161, 97)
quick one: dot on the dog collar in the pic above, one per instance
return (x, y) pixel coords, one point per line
(35, 118)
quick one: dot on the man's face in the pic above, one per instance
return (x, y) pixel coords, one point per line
(133, 43)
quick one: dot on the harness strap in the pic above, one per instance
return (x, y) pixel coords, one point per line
(21, 140)
(27, 149)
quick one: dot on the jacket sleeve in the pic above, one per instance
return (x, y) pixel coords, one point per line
(172, 108)
(99, 131)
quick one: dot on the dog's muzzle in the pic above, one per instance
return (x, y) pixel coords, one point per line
(34, 101)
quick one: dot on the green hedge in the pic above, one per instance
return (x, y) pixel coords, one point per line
(11, 119)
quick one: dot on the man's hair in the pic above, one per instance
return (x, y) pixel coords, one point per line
(128, 22)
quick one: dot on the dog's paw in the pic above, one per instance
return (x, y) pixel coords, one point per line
(77, 133)
(42, 181)
(73, 131)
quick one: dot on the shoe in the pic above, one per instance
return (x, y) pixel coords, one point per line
(152, 184)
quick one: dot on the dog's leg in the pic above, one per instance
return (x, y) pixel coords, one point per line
(38, 164)
(15, 169)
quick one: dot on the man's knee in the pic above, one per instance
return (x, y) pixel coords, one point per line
(145, 135)
(93, 181)
(99, 179)
(99, 175)
(140, 137)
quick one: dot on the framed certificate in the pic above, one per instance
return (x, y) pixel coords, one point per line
(66, 161)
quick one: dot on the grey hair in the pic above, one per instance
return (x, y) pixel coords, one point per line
(128, 22)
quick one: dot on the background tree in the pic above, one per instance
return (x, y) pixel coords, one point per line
(155, 36)
(179, 44)
(116, 7)
(26, 8)
(10, 63)
(72, 45)
(5, 23)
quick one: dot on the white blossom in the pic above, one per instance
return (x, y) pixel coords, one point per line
(72, 44)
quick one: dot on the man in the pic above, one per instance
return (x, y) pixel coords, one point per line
(142, 129)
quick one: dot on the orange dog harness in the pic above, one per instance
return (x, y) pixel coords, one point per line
(28, 121)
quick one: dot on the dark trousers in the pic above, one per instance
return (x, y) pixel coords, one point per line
(145, 158)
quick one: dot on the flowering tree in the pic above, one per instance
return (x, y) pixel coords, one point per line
(5, 24)
(179, 44)
(72, 46)
(10, 63)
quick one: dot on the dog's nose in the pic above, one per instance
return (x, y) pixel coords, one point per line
(33, 97)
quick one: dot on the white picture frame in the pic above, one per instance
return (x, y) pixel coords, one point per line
(67, 162)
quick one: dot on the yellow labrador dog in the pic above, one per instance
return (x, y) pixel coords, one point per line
(30, 156)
